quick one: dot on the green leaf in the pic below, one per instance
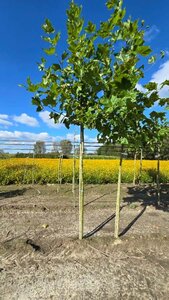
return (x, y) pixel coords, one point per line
(142, 23)
(162, 53)
(166, 82)
(49, 101)
(123, 83)
(56, 67)
(66, 123)
(164, 101)
(90, 27)
(47, 27)
(46, 39)
(49, 51)
(124, 141)
(155, 114)
(152, 59)
(154, 97)
(39, 108)
(32, 87)
(36, 101)
(151, 86)
(55, 40)
(64, 55)
(112, 3)
(41, 66)
(144, 50)
(54, 116)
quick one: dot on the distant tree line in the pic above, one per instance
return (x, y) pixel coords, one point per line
(64, 149)
(148, 153)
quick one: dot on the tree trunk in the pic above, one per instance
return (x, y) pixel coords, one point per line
(117, 218)
(81, 186)
(33, 169)
(141, 165)
(73, 177)
(60, 172)
(134, 177)
(158, 177)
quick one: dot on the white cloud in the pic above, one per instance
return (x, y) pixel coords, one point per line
(72, 136)
(140, 88)
(4, 134)
(151, 33)
(87, 138)
(161, 75)
(5, 123)
(3, 116)
(16, 140)
(27, 120)
(4, 120)
(44, 115)
(90, 145)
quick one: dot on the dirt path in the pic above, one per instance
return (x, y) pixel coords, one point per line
(42, 258)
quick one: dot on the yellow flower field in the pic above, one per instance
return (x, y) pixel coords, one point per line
(43, 170)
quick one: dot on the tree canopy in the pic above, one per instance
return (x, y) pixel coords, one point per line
(39, 147)
(66, 147)
(98, 61)
(93, 84)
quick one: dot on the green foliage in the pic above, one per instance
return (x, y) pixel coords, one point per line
(112, 3)
(151, 86)
(47, 27)
(108, 150)
(50, 51)
(53, 154)
(162, 53)
(92, 63)
(159, 142)
(152, 59)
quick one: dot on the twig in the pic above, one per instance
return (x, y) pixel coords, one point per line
(15, 237)
(76, 261)
(101, 252)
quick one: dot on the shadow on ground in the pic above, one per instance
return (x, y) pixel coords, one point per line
(100, 226)
(147, 195)
(127, 228)
(13, 193)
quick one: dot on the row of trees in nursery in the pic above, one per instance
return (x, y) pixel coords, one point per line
(64, 147)
(68, 149)
(39, 149)
(101, 60)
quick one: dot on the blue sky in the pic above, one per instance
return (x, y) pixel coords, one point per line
(21, 49)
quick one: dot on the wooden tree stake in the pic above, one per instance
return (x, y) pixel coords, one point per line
(117, 218)
(81, 186)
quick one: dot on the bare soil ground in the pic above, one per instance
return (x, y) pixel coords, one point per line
(42, 258)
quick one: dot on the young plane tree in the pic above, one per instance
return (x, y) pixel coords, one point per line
(122, 112)
(153, 129)
(157, 131)
(70, 88)
(96, 61)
